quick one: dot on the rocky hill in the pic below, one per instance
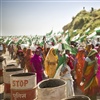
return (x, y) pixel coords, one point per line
(83, 21)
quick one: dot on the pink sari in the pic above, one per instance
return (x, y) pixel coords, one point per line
(37, 67)
(98, 70)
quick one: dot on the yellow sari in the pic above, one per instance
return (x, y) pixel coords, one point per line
(91, 84)
(50, 63)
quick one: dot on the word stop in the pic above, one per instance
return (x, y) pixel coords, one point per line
(19, 83)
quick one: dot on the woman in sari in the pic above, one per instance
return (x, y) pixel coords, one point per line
(37, 65)
(66, 76)
(50, 63)
(28, 57)
(98, 69)
(24, 50)
(61, 60)
(21, 59)
(88, 49)
(71, 60)
(89, 75)
(80, 60)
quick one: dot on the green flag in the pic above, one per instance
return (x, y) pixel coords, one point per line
(48, 34)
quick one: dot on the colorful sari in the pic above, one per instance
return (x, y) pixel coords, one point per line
(80, 57)
(50, 63)
(91, 84)
(98, 71)
(37, 66)
(28, 57)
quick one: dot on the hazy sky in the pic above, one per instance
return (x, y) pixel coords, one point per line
(31, 17)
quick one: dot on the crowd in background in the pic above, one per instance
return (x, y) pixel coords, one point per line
(81, 69)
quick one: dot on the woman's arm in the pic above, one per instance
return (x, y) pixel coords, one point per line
(84, 69)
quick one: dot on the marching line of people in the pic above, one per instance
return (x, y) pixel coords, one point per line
(81, 69)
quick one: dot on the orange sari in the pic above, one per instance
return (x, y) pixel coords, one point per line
(28, 57)
(79, 67)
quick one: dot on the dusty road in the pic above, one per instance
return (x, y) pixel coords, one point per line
(8, 61)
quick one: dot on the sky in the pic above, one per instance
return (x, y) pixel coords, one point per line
(38, 17)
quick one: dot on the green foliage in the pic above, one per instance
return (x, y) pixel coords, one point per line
(82, 21)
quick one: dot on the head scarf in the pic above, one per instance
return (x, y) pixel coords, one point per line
(50, 54)
(92, 52)
(28, 52)
(37, 50)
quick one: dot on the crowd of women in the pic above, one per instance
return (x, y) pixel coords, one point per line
(81, 70)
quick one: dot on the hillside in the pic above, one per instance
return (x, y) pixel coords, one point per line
(83, 21)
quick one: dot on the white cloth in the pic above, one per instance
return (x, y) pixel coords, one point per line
(69, 80)
(57, 74)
